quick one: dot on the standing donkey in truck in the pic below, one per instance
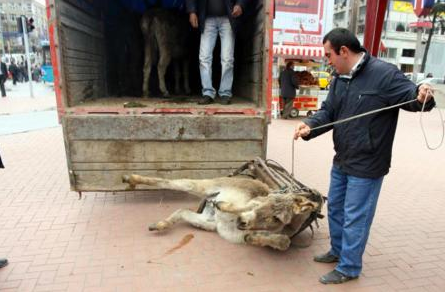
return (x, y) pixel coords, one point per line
(166, 34)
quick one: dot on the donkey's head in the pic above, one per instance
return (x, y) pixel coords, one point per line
(274, 211)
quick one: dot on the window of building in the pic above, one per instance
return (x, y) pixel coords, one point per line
(360, 28)
(408, 53)
(339, 16)
(406, 67)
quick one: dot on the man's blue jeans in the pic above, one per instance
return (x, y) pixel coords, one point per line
(351, 207)
(214, 26)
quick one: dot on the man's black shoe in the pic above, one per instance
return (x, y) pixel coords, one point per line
(3, 263)
(225, 100)
(335, 277)
(326, 258)
(205, 100)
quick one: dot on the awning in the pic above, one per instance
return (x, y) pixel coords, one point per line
(299, 51)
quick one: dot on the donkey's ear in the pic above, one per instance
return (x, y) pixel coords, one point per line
(302, 205)
(285, 216)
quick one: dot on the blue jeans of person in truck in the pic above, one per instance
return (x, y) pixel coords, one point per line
(213, 27)
(351, 207)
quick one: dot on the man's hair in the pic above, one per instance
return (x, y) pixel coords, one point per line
(339, 37)
(289, 65)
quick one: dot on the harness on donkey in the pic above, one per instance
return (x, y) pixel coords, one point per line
(279, 181)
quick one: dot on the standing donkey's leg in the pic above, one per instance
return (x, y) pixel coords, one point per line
(147, 72)
(164, 61)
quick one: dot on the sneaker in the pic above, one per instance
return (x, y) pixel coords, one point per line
(225, 100)
(335, 277)
(205, 100)
(326, 258)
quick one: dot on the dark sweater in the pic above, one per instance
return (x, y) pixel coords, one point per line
(363, 146)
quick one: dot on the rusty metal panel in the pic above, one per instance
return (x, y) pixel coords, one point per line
(102, 148)
(163, 127)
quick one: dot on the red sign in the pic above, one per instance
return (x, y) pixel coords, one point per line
(423, 24)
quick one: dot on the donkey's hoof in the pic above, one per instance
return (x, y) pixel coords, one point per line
(159, 226)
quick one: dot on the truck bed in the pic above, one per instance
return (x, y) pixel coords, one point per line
(173, 104)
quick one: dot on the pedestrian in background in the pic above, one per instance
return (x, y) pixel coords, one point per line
(3, 77)
(14, 71)
(288, 84)
(362, 146)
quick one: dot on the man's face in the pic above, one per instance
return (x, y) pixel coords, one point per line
(338, 61)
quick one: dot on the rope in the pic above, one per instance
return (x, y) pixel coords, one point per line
(376, 111)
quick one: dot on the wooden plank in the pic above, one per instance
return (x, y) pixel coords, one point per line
(112, 180)
(166, 151)
(140, 166)
(164, 127)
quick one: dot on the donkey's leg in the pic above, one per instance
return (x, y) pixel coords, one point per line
(200, 188)
(177, 77)
(266, 238)
(164, 61)
(198, 220)
(185, 75)
(147, 72)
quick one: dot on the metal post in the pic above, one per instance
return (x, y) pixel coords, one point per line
(28, 59)
(2, 39)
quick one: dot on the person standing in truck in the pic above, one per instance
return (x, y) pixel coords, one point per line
(216, 17)
(362, 146)
(288, 84)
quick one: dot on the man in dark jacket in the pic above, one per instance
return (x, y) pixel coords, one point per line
(288, 83)
(3, 77)
(216, 17)
(363, 146)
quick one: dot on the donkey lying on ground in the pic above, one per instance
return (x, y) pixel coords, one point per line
(241, 210)
(166, 34)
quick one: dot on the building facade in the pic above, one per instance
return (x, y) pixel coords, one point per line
(10, 37)
(399, 38)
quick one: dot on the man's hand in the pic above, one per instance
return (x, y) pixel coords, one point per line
(425, 93)
(193, 18)
(302, 130)
(237, 11)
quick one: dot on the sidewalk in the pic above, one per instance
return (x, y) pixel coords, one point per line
(18, 99)
(56, 242)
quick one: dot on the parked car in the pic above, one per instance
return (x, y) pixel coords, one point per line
(324, 78)
(432, 80)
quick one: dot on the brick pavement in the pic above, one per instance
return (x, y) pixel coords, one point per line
(56, 242)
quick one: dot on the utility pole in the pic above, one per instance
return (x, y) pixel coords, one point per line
(419, 52)
(28, 59)
(354, 11)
